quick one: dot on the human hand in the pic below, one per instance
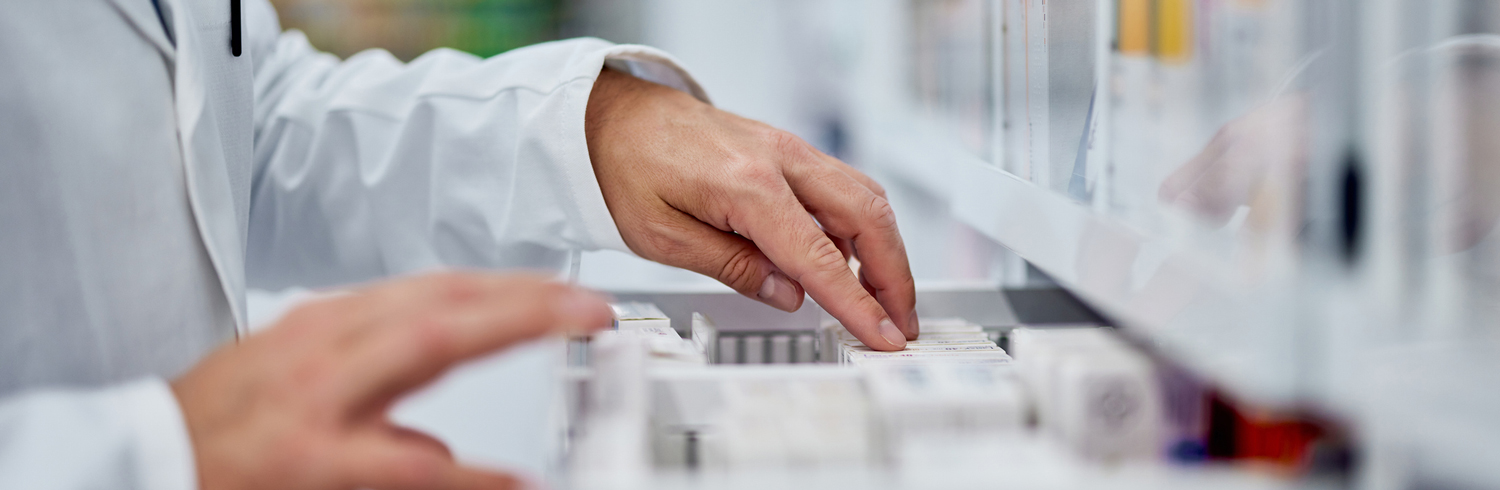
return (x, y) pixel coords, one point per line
(303, 404)
(755, 207)
(1240, 159)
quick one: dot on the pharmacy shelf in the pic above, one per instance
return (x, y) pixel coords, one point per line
(1020, 471)
(980, 302)
(1241, 335)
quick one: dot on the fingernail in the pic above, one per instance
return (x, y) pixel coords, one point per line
(913, 327)
(581, 311)
(779, 292)
(892, 334)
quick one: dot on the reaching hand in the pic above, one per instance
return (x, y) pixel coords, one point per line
(1235, 166)
(303, 404)
(752, 206)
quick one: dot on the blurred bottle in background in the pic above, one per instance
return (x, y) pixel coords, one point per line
(408, 28)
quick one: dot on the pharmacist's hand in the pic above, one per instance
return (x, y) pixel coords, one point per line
(303, 404)
(1267, 144)
(699, 188)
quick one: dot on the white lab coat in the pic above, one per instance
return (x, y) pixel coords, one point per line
(147, 176)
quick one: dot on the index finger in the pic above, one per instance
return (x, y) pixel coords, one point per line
(486, 314)
(851, 210)
(779, 225)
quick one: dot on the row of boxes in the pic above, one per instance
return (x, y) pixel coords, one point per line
(650, 400)
(741, 400)
(946, 339)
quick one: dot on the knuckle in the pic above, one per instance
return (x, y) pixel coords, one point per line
(665, 245)
(790, 147)
(825, 256)
(785, 142)
(878, 213)
(457, 287)
(429, 339)
(755, 175)
(739, 271)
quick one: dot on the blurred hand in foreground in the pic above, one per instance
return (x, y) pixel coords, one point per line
(755, 207)
(303, 405)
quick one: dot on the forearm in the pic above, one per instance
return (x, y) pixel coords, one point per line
(370, 167)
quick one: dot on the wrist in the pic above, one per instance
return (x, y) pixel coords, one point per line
(620, 102)
(612, 90)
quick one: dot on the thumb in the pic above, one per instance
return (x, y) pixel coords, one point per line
(386, 460)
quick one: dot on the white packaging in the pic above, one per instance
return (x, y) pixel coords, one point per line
(848, 338)
(985, 357)
(792, 422)
(956, 399)
(684, 421)
(705, 337)
(829, 337)
(1093, 392)
(921, 347)
(636, 315)
(1037, 350)
(664, 346)
(944, 340)
(1108, 405)
(946, 407)
(612, 444)
(948, 325)
(834, 336)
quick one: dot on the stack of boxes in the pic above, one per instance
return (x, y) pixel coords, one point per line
(1092, 391)
(952, 396)
(942, 414)
(663, 344)
(942, 340)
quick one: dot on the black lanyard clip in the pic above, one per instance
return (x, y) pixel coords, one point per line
(235, 42)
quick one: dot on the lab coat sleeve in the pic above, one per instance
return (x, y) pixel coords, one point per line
(369, 167)
(130, 436)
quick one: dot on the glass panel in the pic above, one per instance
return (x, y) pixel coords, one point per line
(1048, 91)
(1209, 103)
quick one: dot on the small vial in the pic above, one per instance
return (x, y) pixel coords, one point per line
(729, 350)
(805, 349)
(781, 349)
(755, 349)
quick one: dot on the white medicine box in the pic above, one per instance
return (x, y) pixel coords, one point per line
(639, 316)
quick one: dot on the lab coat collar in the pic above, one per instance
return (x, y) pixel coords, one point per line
(142, 14)
(206, 166)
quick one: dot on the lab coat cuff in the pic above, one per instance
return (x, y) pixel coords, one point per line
(654, 65)
(163, 447)
(642, 62)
